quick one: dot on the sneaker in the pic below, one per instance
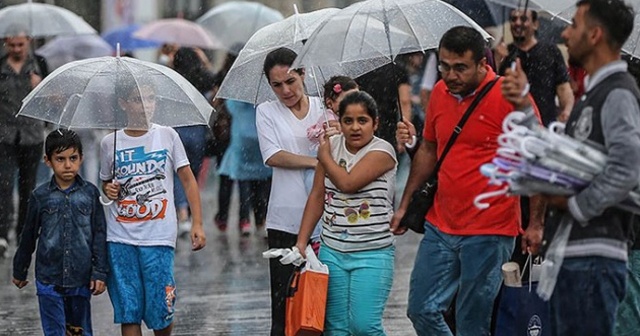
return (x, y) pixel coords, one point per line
(245, 227)
(221, 224)
(4, 248)
(184, 228)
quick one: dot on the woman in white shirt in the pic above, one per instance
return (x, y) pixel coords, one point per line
(282, 133)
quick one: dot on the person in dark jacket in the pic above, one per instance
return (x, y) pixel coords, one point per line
(593, 273)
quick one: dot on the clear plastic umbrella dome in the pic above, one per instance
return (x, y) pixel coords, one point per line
(178, 31)
(93, 93)
(64, 49)
(245, 81)
(380, 29)
(41, 20)
(234, 22)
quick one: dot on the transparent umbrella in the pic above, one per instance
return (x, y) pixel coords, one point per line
(41, 20)
(64, 49)
(178, 31)
(89, 94)
(234, 22)
(92, 93)
(380, 30)
(245, 80)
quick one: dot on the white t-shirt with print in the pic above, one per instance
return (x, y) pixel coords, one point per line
(280, 130)
(144, 214)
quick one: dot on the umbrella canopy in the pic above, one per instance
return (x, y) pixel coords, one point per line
(245, 80)
(234, 22)
(41, 20)
(380, 30)
(64, 49)
(124, 36)
(178, 31)
(91, 94)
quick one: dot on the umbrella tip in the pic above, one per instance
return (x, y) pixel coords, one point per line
(295, 9)
(118, 49)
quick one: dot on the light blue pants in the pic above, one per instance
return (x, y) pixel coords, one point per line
(359, 286)
(446, 264)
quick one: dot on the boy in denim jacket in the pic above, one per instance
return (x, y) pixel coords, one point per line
(66, 219)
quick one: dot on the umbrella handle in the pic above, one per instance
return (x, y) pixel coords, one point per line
(478, 201)
(105, 203)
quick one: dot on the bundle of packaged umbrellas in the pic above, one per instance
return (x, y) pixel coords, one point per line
(534, 160)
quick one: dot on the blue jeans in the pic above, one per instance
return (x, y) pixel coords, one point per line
(193, 140)
(446, 264)
(359, 286)
(587, 294)
(63, 310)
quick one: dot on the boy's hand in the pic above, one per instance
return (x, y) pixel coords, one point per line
(19, 283)
(198, 238)
(97, 287)
(111, 190)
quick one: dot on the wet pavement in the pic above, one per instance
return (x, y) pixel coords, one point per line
(221, 290)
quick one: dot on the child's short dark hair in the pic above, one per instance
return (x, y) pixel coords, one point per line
(336, 85)
(362, 98)
(60, 140)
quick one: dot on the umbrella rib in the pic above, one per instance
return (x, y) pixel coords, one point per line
(159, 69)
(357, 11)
(83, 89)
(415, 34)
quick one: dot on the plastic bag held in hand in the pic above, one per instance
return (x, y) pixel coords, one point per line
(293, 256)
(313, 263)
(288, 255)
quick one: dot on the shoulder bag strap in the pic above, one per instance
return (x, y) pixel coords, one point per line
(463, 120)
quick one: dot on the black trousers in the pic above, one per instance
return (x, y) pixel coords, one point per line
(279, 276)
(21, 162)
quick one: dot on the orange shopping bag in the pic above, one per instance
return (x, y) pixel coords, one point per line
(307, 298)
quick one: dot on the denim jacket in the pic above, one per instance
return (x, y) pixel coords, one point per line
(70, 229)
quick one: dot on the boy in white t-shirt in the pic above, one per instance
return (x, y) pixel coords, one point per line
(142, 222)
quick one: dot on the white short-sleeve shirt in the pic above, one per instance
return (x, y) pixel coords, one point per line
(280, 130)
(144, 214)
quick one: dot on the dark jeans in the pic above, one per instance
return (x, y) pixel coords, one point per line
(65, 314)
(19, 162)
(279, 276)
(193, 140)
(586, 297)
(254, 194)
